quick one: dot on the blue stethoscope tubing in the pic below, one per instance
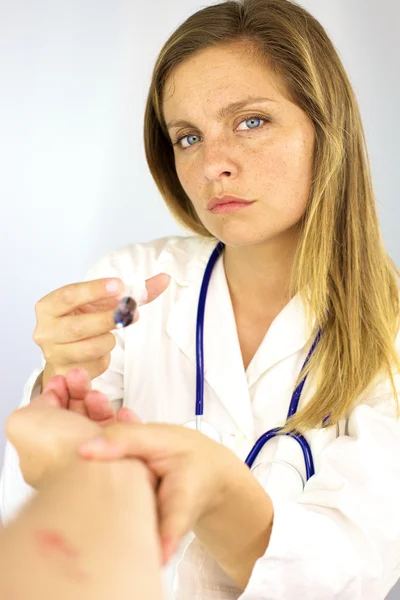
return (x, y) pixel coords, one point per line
(263, 439)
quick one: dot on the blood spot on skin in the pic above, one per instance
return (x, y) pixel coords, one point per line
(51, 540)
(55, 547)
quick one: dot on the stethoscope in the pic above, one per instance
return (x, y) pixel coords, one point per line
(207, 428)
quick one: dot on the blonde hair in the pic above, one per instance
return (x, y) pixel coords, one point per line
(341, 268)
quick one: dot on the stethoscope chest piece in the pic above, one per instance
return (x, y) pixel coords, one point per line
(279, 478)
(296, 480)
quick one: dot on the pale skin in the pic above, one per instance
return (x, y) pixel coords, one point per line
(202, 486)
(75, 323)
(45, 447)
(269, 161)
(87, 546)
(91, 531)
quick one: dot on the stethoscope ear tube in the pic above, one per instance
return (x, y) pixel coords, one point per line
(300, 439)
(200, 328)
(263, 439)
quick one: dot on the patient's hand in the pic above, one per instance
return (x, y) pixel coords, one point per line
(74, 391)
(47, 432)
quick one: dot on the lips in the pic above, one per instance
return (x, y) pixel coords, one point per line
(218, 201)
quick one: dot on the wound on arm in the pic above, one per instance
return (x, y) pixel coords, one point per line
(54, 547)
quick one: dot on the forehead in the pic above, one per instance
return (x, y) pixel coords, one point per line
(215, 76)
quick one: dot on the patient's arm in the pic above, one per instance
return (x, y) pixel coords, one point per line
(90, 533)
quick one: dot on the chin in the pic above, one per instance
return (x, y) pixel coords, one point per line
(240, 234)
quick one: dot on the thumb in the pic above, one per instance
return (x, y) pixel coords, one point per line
(156, 285)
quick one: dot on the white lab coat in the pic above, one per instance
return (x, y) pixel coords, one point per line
(340, 537)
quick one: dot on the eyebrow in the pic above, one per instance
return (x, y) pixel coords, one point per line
(225, 111)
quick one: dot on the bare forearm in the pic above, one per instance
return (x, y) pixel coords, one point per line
(238, 530)
(90, 534)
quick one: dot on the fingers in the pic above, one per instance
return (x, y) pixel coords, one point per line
(147, 441)
(54, 395)
(49, 399)
(99, 408)
(88, 350)
(60, 389)
(105, 448)
(72, 328)
(78, 384)
(155, 444)
(70, 297)
(73, 392)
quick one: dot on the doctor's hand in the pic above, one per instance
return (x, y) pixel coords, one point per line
(196, 474)
(75, 323)
(45, 433)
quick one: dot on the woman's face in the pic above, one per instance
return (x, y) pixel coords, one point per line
(261, 151)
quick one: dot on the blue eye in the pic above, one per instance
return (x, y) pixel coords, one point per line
(190, 136)
(256, 118)
(251, 119)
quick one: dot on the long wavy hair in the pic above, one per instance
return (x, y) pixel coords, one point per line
(341, 268)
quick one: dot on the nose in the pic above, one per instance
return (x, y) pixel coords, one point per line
(218, 162)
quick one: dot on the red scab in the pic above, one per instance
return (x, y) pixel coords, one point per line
(55, 546)
(51, 540)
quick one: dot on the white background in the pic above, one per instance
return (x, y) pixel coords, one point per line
(73, 177)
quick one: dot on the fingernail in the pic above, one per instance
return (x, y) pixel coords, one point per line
(112, 285)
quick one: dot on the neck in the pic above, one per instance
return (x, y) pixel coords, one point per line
(258, 275)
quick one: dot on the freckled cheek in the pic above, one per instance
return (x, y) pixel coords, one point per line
(189, 178)
(186, 178)
(285, 166)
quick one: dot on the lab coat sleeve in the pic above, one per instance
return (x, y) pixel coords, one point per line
(14, 492)
(341, 538)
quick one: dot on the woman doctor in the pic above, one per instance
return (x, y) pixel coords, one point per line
(254, 138)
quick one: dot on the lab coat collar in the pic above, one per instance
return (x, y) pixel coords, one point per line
(185, 258)
(185, 261)
(288, 333)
